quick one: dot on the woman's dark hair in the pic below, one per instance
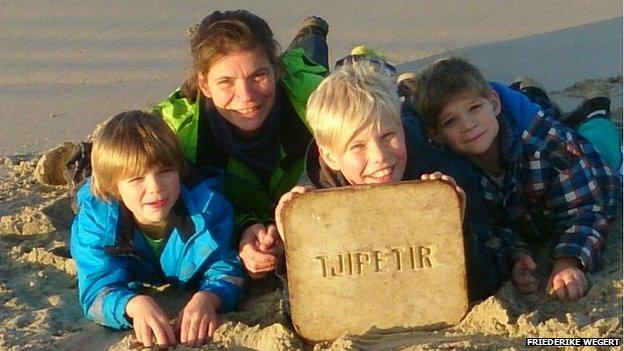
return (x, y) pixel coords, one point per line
(223, 33)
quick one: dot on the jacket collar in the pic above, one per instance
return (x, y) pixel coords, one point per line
(509, 145)
(178, 218)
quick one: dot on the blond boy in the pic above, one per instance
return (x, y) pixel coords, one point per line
(363, 135)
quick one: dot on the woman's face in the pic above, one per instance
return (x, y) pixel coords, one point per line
(242, 88)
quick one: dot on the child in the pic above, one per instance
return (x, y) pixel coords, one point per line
(137, 225)
(360, 138)
(539, 177)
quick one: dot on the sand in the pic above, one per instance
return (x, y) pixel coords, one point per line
(40, 310)
(67, 65)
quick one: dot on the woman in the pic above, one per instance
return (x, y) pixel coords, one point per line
(242, 110)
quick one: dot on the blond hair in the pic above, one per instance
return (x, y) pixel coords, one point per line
(355, 96)
(129, 144)
(440, 82)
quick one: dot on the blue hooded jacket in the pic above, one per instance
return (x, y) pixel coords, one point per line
(114, 259)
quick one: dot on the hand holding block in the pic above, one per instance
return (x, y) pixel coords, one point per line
(386, 256)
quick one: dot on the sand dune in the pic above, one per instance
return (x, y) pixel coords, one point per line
(557, 59)
(66, 65)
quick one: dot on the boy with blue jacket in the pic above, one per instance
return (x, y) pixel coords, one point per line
(138, 225)
(539, 177)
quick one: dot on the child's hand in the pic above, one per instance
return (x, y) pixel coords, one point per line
(284, 200)
(197, 321)
(522, 275)
(148, 321)
(567, 281)
(268, 241)
(260, 248)
(450, 180)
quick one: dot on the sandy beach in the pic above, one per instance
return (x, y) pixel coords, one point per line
(65, 66)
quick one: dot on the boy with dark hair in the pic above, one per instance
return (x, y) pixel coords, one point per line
(539, 177)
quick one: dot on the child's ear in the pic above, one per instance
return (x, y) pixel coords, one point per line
(329, 158)
(435, 135)
(495, 101)
(202, 84)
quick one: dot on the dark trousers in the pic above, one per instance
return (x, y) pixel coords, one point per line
(314, 46)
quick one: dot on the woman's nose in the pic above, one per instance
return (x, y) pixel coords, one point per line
(377, 153)
(153, 184)
(468, 122)
(245, 91)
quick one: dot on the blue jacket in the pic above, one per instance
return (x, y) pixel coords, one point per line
(114, 260)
